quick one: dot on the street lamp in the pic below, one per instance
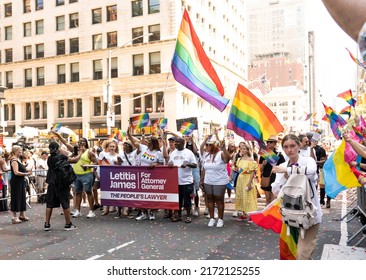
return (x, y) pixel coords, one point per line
(109, 93)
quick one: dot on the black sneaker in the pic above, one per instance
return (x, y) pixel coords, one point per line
(47, 227)
(70, 226)
(328, 204)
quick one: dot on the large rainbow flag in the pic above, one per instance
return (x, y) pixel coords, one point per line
(338, 175)
(270, 217)
(250, 118)
(347, 96)
(192, 68)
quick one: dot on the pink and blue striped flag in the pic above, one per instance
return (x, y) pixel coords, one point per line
(192, 68)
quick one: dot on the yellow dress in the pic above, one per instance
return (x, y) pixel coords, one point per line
(246, 201)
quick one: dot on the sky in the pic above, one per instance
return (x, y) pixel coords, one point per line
(336, 71)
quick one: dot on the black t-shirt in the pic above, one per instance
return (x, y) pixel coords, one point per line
(320, 154)
(51, 162)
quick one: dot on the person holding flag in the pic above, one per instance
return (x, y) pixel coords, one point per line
(267, 176)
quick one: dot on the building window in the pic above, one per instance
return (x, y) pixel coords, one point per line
(9, 55)
(8, 32)
(74, 72)
(155, 30)
(9, 79)
(72, 1)
(137, 104)
(39, 27)
(79, 107)
(137, 8)
(97, 42)
(26, 6)
(159, 102)
(39, 5)
(154, 6)
(117, 108)
(136, 32)
(60, 23)
(70, 108)
(148, 103)
(13, 111)
(27, 77)
(44, 109)
(138, 64)
(6, 112)
(74, 45)
(112, 39)
(27, 29)
(61, 108)
(61, 74)
(154, 59)
(27, 52)
(60, 2)
(36, 110)
(97, 106)
(97, 70)
(39, 50)
(40, 76)
(97, 16)
(8, 10)
(112, 13)
(74, 20)
(114, 67)
(28, 111)
(60, 47)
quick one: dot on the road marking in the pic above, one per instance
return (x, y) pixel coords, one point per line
(111, 250)
(120, 246)
(344, 231)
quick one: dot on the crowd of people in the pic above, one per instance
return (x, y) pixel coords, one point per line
(206, 170)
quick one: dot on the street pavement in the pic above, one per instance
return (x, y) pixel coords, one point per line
(110, 238)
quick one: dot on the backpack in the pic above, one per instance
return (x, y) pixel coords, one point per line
(65, 174)
(297, 208)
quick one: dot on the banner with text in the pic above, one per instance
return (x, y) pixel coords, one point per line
(139, 186)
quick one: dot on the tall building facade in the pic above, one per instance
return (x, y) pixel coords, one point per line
(58, 56)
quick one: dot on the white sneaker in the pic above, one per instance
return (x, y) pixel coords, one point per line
(211, 223)
(77, 214)
(235, 214)
(72, 212)
(228, 200)
(216, 213)
(196, 212)
(91, 214)
(151, 216)
(84, 205)
(141, 217)
(206, 211)
(220, 223)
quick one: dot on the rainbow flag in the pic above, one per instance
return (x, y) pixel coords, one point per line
(192, 68)
(288, 243)
(163, 122)
(270, 156)
(309, 116)
(187, 128)
(270, 217)
(346, 111)
(357, 61)
(334, 120)
(347, 95)
(250, 118)
(338, 175)
(315, 123)
(358, 132)
(140, 121)
(56, 127)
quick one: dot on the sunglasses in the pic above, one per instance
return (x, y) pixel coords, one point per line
(209, 145)
(271, 141)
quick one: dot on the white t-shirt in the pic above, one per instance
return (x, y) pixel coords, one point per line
(42, 167)
(148, 157)
(305, 152)
(215, 169)
(131, 158)
(177, 157)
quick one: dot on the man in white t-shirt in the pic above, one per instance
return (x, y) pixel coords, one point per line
(42, 169)
(185, 160)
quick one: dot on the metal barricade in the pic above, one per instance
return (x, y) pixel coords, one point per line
(359, 211)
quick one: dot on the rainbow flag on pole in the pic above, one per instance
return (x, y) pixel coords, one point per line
(250, 118)
(357, 61)
(163, 123)
(192, 68)
(140, 121)
(347, 95)
(270, 156)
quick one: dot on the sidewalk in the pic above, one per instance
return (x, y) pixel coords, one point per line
(337, 252)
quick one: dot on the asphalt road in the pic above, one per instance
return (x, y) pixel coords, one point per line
(110, 238)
